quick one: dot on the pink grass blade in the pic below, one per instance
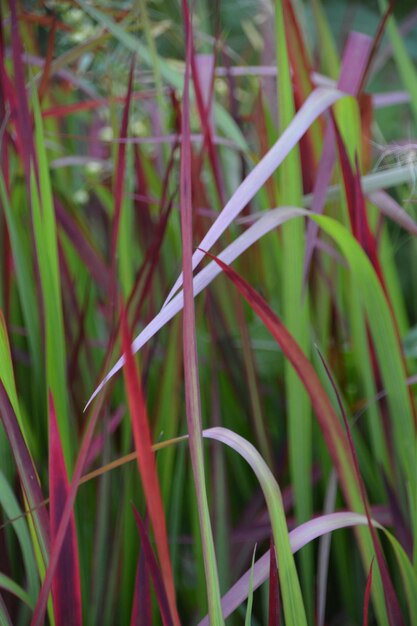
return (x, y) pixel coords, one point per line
(147, 465)
(66, 585)
(367, 595)
(191, 377)
(155, 571)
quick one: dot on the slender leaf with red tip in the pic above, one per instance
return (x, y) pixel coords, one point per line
(66, 585)
(147, 465)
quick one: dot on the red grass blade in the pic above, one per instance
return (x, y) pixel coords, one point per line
(153, 567)
(147, 465)
(66, 585)
(274, 613)
(367, 596)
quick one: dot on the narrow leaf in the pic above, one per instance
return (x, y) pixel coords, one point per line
(66, 585)
(156, 574)
(147, 465)
(367, 596)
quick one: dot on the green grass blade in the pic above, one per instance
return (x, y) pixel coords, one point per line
(47, 255)
(290, 586)
(295, 309)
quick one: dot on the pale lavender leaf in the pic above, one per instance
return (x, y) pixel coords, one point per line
(299, 537)
(267, 221)
(356, 55)
(391, 98)
(390, 207)
(317, 102)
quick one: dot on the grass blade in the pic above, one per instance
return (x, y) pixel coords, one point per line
(248, 617)
(290, 587)
(66, 588)
(367, 596)
(299, 537)
(147, 466)
(192, 387)
(157, 578)
(274, 605)
(27, 472)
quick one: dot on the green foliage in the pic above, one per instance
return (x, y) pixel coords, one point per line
(89, 230)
